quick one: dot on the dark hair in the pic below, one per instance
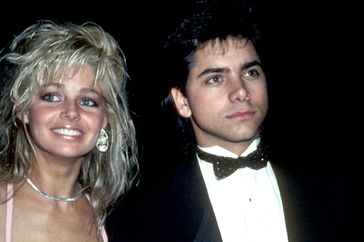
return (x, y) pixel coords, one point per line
(212, 20)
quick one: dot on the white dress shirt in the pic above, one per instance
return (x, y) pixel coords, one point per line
(247, 204)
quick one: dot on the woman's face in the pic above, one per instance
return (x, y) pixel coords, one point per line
(66, 117)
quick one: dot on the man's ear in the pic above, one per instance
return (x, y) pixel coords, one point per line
(181, 103)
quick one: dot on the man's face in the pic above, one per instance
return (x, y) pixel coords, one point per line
(226, 94)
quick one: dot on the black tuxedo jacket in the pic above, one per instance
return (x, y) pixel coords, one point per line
(176, 208)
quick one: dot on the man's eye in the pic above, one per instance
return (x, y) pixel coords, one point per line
(51, 97)
(214, 80)
(252, 73)
(88, 102)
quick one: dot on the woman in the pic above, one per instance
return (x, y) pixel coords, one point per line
(67, 142)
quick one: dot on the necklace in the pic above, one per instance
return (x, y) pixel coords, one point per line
(52, 197)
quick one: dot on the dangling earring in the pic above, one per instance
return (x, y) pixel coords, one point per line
(103, 141)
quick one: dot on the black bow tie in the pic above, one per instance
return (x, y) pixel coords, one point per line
(225, 166)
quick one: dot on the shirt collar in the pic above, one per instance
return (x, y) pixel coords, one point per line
(218, 150)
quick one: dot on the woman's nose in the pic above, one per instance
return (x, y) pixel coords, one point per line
(70, 111)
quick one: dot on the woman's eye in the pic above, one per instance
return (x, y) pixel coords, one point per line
(88, 102)
(51, 97)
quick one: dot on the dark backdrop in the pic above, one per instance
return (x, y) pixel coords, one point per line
(312, 88)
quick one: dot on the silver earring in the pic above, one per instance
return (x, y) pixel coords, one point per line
(103, 141)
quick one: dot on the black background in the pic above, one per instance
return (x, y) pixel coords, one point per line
(315, 76)
(312, 79)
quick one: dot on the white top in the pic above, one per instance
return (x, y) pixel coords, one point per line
(247, 204)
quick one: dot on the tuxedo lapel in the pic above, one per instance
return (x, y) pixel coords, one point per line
(208, 230)
(308, 209)
(290, 201)
(196, 219)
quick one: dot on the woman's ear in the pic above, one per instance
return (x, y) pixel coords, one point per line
(25, 118)
(104, 124)
(181, 103)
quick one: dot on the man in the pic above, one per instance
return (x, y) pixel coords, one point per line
(216, 82)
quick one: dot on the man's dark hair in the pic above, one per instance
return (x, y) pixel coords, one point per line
(211, 20)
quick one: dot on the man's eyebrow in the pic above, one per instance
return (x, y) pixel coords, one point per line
(250, 64)
(226, 70)
(214, 70)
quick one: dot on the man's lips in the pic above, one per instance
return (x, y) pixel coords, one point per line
(241, 115)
